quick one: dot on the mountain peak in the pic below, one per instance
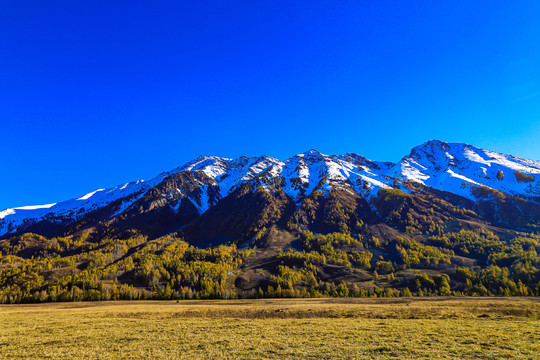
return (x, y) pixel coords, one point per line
(311, 153)
(430, 146)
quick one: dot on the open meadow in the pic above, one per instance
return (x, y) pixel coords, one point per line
(405, 328)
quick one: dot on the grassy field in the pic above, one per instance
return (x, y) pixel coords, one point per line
(432, 328)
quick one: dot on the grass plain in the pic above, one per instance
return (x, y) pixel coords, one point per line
(403, 328)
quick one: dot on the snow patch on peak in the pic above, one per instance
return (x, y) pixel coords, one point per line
(6, 212)
(35, 207)
(313, 152)
(90, 194)
(15, 210)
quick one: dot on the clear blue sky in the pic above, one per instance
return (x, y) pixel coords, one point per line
(96, 93)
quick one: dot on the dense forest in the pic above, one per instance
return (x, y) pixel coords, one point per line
(76, 268)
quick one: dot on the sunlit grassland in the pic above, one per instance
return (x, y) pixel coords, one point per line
(483, 328)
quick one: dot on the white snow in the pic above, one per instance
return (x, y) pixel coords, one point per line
(35, 207)
(6, 212)
(90, 194)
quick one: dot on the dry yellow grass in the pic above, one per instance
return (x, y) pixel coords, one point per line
(477, 328)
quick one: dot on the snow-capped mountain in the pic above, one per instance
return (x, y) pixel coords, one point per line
(458, 168)
(200, 184)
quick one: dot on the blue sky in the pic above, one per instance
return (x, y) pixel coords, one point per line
(96, 93)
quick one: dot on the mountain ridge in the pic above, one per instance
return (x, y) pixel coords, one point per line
(451, 167)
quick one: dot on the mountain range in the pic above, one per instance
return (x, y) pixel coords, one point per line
(438, 190)
(477, 178)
